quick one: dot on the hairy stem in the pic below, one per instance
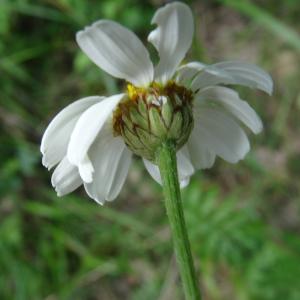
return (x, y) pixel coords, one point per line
(167, 163)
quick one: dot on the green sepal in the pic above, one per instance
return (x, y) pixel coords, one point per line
(137, 118)
(176, 126)
(142, 107)
(167, 114)
(132, 139)
(157, 125)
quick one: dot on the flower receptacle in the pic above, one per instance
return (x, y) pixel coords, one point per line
(148, 117)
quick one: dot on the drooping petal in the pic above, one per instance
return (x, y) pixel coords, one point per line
(120, 175)
(220, 134)
(187, 72)
(56, 137)
(231, 101)
(229, 72)
(247, 74)
(184, 166)
(117, 50)
(85, 132)
(153, 170)
(172, 38)
(201, 156)
(65, 178)
(184, 182)
(111, 160)
(210, 76)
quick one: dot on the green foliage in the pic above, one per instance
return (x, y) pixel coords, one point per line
(229, 233)
(243, 220)
(262, 17)
(225, 232)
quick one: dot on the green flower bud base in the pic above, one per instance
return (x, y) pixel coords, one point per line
(149, 116)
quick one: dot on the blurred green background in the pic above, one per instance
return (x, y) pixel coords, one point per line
(243, 219)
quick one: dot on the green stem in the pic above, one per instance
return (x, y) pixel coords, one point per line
(167, 163)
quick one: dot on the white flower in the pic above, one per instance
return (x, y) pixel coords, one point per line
(81, 139)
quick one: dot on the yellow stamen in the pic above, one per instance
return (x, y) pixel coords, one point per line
(134, 92)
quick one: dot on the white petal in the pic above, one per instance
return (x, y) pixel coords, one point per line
(85, 132)
(220, 134)
(187, 72)
(247, 74)
(172, 38)
(210, 76)
(233, 73)
(231, 101)
(86, 169)
(120, 175)
(201, 156)
(184, 182)
(65, 178)
(56, 137)
(111, 160)
(185, 168)
(153, 170)
(117, 50)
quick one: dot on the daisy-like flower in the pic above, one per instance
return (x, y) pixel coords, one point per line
(93, 139)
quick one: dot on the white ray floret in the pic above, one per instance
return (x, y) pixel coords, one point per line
(172, 38)
(117, 50)
(87, 128)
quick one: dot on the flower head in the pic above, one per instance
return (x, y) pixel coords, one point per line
(93, 139)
